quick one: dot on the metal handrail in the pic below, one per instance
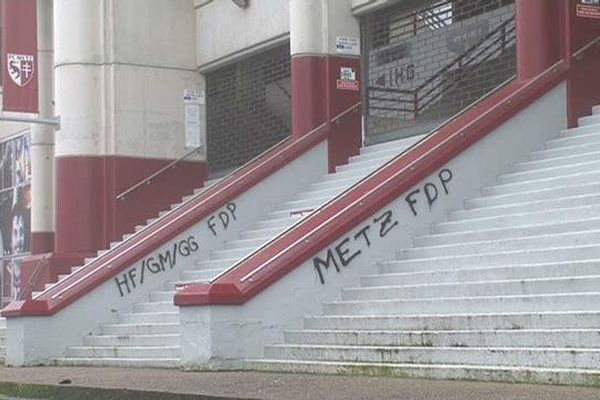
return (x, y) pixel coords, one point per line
(334, 120)
(470, 54)
(339, 195)
(148, 180)
(578, 55)
(36, 272)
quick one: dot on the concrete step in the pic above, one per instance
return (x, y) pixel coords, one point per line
(141, 329)
(478, 304)
(365, 162)
(550, 172)
(330, 192)
(596, 110)
(501, 356)
(156, 307)
(560, 376)
(124, 352)
(488, 288)
(576, 137)
(247, 243)
(505, 258)
(525, 196)
(564, 151)
(561, 338)
(582, 156)
(303, 204)
(526, 271)
(589, 120)
(517, 231)
(261, 233)
(557, 239)
(198, 276)
(400, 144)
(151, 317)
(132, 340)
(281, 223)
(339, 179)
(118, 362)
(541, 184)
(562, 215)
(235, 253)
(449, 321)
(162, 296)
(212, 265)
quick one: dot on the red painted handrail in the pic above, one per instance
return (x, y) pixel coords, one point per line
(320, 229)
(121, 257)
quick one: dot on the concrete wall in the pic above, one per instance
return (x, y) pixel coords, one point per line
(224, 31)
(121, 69)
(223, 336)
(37, 340)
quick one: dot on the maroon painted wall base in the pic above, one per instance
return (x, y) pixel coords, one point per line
(88, 214)
(42, 242)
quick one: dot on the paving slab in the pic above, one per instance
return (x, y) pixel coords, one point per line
(147, 384)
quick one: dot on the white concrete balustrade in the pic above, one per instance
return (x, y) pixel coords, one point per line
(506, 289)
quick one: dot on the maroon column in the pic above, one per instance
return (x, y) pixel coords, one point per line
(317, 97)
(538, 36)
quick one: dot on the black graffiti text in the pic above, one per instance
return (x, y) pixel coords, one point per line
(430, 191)
(222, 219)
(343, 253)
(162, 262)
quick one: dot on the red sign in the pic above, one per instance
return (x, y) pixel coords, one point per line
(19, 56)
(587, 11)
(347, 85)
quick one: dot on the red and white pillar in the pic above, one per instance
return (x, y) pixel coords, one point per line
(42, 138)
(316, 28)
(122, 116)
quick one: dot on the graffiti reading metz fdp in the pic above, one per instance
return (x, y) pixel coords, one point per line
(346, 251)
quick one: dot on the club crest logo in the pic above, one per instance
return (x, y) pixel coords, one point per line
(20, 68)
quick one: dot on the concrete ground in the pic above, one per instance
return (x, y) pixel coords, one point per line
(149, 384)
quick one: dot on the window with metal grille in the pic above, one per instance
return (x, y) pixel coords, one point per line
(425, 61)
(248, 108)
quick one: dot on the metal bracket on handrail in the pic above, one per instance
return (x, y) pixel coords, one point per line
(148, 180)
(578, 55)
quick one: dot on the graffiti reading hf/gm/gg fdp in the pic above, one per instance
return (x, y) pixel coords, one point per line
(220, 221)
(164, 261)
(346, 251)
(349, 248)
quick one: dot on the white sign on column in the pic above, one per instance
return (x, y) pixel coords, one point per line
(193, 101)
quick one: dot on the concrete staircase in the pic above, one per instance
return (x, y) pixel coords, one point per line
(149, 335)
(2, 340)
(507, 289)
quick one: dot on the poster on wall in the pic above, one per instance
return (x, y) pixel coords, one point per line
(15, 212)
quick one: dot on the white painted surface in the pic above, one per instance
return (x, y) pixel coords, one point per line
(222, 336)
(155, 323)
(38, 340)
(316, 24)
(496, 293)
(225, 31)
(42, 136)
(121, 67)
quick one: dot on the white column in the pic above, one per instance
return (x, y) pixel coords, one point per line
(42, 136)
